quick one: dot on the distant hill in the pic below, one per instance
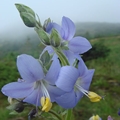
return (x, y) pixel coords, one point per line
(28, 42)
(92, 30)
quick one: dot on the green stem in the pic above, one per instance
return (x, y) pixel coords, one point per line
(69, 115)
(62, 57)
(55, 114)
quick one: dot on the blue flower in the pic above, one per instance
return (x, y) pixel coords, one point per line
(76, 83)
(76, 45)
(34, 86)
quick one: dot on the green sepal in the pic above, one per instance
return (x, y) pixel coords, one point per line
(17, 106)
(45, 58)
(64, 45)
(62, 57)
(55, 39)
(44, 37)
(24, 8)
(28, 19)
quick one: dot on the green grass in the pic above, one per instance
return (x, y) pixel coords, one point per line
(106, 82)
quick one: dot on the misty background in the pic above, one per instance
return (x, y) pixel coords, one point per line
(100, 11)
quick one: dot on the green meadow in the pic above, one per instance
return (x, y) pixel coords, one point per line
(106, 80)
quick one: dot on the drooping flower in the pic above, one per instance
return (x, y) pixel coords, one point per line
(76, 83)
(95, 117)
(76, 45)
(35, 87)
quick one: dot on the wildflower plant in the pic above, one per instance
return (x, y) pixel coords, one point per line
(59, 76)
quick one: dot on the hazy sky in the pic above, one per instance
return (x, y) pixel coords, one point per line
(77, 10)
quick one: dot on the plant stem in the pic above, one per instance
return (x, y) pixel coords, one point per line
(69, 114)
(55, 114)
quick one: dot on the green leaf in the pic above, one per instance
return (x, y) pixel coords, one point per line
(24, 8)
(28, 19)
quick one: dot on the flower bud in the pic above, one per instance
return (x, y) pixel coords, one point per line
(44, 37)
(19, 107)
(32, 113)
(46, 22)
(55, 38)
(24, 8)
(28, 19)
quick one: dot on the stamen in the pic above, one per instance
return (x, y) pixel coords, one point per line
(91, 95)
(45, 100)
(94, 97)
(47, 106)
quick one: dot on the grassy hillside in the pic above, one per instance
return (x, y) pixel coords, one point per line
(106, 80)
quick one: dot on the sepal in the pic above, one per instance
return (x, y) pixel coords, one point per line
(44, 37)
(55, 38)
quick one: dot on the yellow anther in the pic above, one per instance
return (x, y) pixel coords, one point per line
(94, 97)
(42, 101)
(95, 117)
(46, 104)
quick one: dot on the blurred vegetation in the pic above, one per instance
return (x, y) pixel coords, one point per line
(104, 57)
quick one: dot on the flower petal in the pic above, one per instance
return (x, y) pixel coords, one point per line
(29, 68)
(53, 72)
(17, 89)
(54, 92)
(79, 95)
(86, 79)
(34, 97)
(79, 45)
(68, 100)
(68, 27)
(70, 56)
(67, 78)
(50, 26)
(82, 67)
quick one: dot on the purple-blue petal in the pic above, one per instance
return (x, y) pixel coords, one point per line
(17, 89)
(53, 72)
(70, 56)
(34, 97)
(68, 100)
(67, 78)
(82, 68)
(29, 68)
(79, 45)
(54, 92)
(86, 79)
(79, 95)
(68, 27)
(51, 26)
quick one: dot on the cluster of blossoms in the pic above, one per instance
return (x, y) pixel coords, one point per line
(59, 74)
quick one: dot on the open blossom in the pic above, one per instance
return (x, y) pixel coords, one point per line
(76, 83)
(76, 45)
(34, 86)
(95, 117)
